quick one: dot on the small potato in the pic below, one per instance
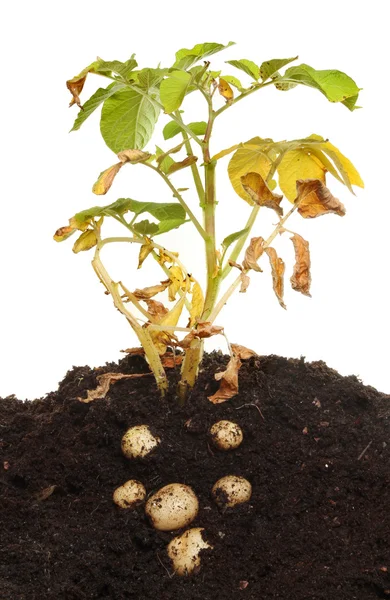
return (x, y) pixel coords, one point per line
(184, 551)
(172, 507)
(138, 442)
(129, 494)
(226, 435)
(231, 490)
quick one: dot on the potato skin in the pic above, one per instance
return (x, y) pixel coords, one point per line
(226, 435)
(130, 494)
(231, 490)
(138, 442)
(172, 507)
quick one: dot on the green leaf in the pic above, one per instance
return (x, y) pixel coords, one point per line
(172, 128)
(128, 120)
(173, 89)
(150, 78)
(270, 67)
(166, 163)
(94, 101)
(169, 224)
(248, 66)
(162, 211)
(233, 237)
(233, 81)
(145, 227)
(185, 58)
(335, 85)
(115, 66)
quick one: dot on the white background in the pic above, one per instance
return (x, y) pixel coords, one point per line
(53, 311)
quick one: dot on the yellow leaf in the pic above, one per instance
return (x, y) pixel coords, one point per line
(105, 179)
(314, 199)
(63, 233)
(177, 166)
(144, 252)
(133, 156)
(298, 164)
(301, 278)
(196, 304)
(225, 90)
(86, 241)
(177, 281)
(258, 190)
(227, 151)
(162, 338)
(251, 157)
(163, 257)
(253, 253)
(278, 268)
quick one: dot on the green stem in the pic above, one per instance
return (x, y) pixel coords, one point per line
(194, 167)
(213, 278)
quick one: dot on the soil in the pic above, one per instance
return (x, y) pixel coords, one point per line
(316, 450)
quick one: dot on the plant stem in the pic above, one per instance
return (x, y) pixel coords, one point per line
(194, 167)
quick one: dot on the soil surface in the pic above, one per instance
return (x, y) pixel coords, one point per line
(316, 450)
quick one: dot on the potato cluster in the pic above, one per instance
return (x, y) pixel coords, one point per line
(176, 505)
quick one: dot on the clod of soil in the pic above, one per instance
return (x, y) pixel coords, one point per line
(315, 450)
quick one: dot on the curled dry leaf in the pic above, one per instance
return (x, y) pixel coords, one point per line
(314, 199)
(245, 281)
(225, 90)
(205, 329)
(278, 268)
(45, 493)
(133, 156)
(156, 309)
(243, 352)
(134, 351)
(232, 263)
(105, 179)
(176, 282)
(253, 253)
(229, 381)
(177, 166)
(104, 383)
(169, 360)
(301, 278)
(153, 290)
(63, 233)
(86, 241)
(258, 190)
(163, 257)
(75, 86)
(162, 338)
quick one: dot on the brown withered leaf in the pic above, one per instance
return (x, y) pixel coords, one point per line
(232, 263)
(152, 290)
(243, 352)
(253, 253)
(258, 190)
(75, 86)
(144, 252)
(104, 383)
(314, 199)
(63, 233)
(245, 281)
(156, 309)
(169, 360)
(45, 493)
(278, 268)
(301, 278)
(229, 381)
(177, 166)
(105, 179)
(205, 329)
(225, 90)
(133, 156)
(134, 351)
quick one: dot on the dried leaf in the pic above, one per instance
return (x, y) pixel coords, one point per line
(243, 352)
(144, 252)
(229, 381)
(163, 258)
(133, 156)
(45, 493)
(162, 338)
(63, 233)
(177, 166)
(153, 290)
(86, 241)
(225, 90)
(205, 329)
(169, 360)
(253, 253)
(245, 281)
(104, 383)
(278, 269)
(156, 309)
(232, 263)
(258, 190)
(301, 278)
(105, 179)
(314, 199)
(177, 282)
(196, 304)
(134, 351)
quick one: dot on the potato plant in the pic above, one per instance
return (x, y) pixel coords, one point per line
(132, 104)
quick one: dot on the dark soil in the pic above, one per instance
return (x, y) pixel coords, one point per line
(316, 449)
